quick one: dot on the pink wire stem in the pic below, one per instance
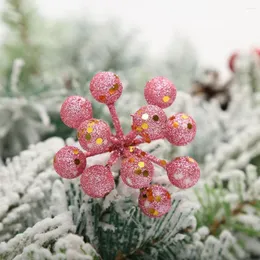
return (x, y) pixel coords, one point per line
(150, 157)
(111, 148)
(114, 140)
(129, 138)
(114, 156)
(88, 154)
(116, 122)
(142, 141)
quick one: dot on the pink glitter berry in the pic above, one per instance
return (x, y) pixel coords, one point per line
(136, 172)
(154, 201)
(149, 122)
(94, 135)
(97, 181)
(180, 129)
(183, 172)
(69, 162)
(160, 91)
(75, 110)
(106, 87)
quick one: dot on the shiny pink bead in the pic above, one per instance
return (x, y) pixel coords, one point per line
(183, 172)
(106, 87)
(136, 172)
(180, 129)
(69, 162)
(97, 181)
(75, 110)
(160, 91)
(94, 135)
(154, 201)
(149, 122)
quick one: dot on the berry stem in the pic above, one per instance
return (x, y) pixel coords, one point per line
(88, 154)
(151, 157)
(116, 122)
(129, 138)
(114, 140)
(114, 156)
(142, 141)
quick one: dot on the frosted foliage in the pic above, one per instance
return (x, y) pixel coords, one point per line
(68, 247)
(236, 206)
(58, 215)
(32, 194)
(25, 188)
(21, 123)
(41, 233)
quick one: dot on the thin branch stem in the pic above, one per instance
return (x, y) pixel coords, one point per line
(142, 141)
(116, 122)
(88, 154)
(161, 163)
(129, 138)
(114, 156)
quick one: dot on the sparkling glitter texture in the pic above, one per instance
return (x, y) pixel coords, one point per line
(75, 110)
(160, 91)
(106, 87)
(69, 162)
(94, 135)
(137, 167)
(97, 181)
(154, 201)
(149, 121)
(180, 129)
(183, 172)
(136, 172)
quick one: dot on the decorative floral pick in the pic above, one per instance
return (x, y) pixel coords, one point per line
(149, 123)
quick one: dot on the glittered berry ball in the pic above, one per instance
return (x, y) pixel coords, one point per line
(69, 162)
(149, 122)
(160, 91)
(180, 129)
(97, 181)
(232, 60)
(136, 172)
(75, 110)
(154, 201)
(106, 87)
(183, 172)
(94, 135)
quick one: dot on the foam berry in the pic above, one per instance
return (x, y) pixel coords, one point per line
(160, 91)
(180, 129)
(136, 172)
(183, 172)
(106, 87)
(75, 110)
(149, 121)
(154, 201)
(94, 135)
(97, 181)
(69, 162)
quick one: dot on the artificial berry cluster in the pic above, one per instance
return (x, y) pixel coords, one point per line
(137, 167)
